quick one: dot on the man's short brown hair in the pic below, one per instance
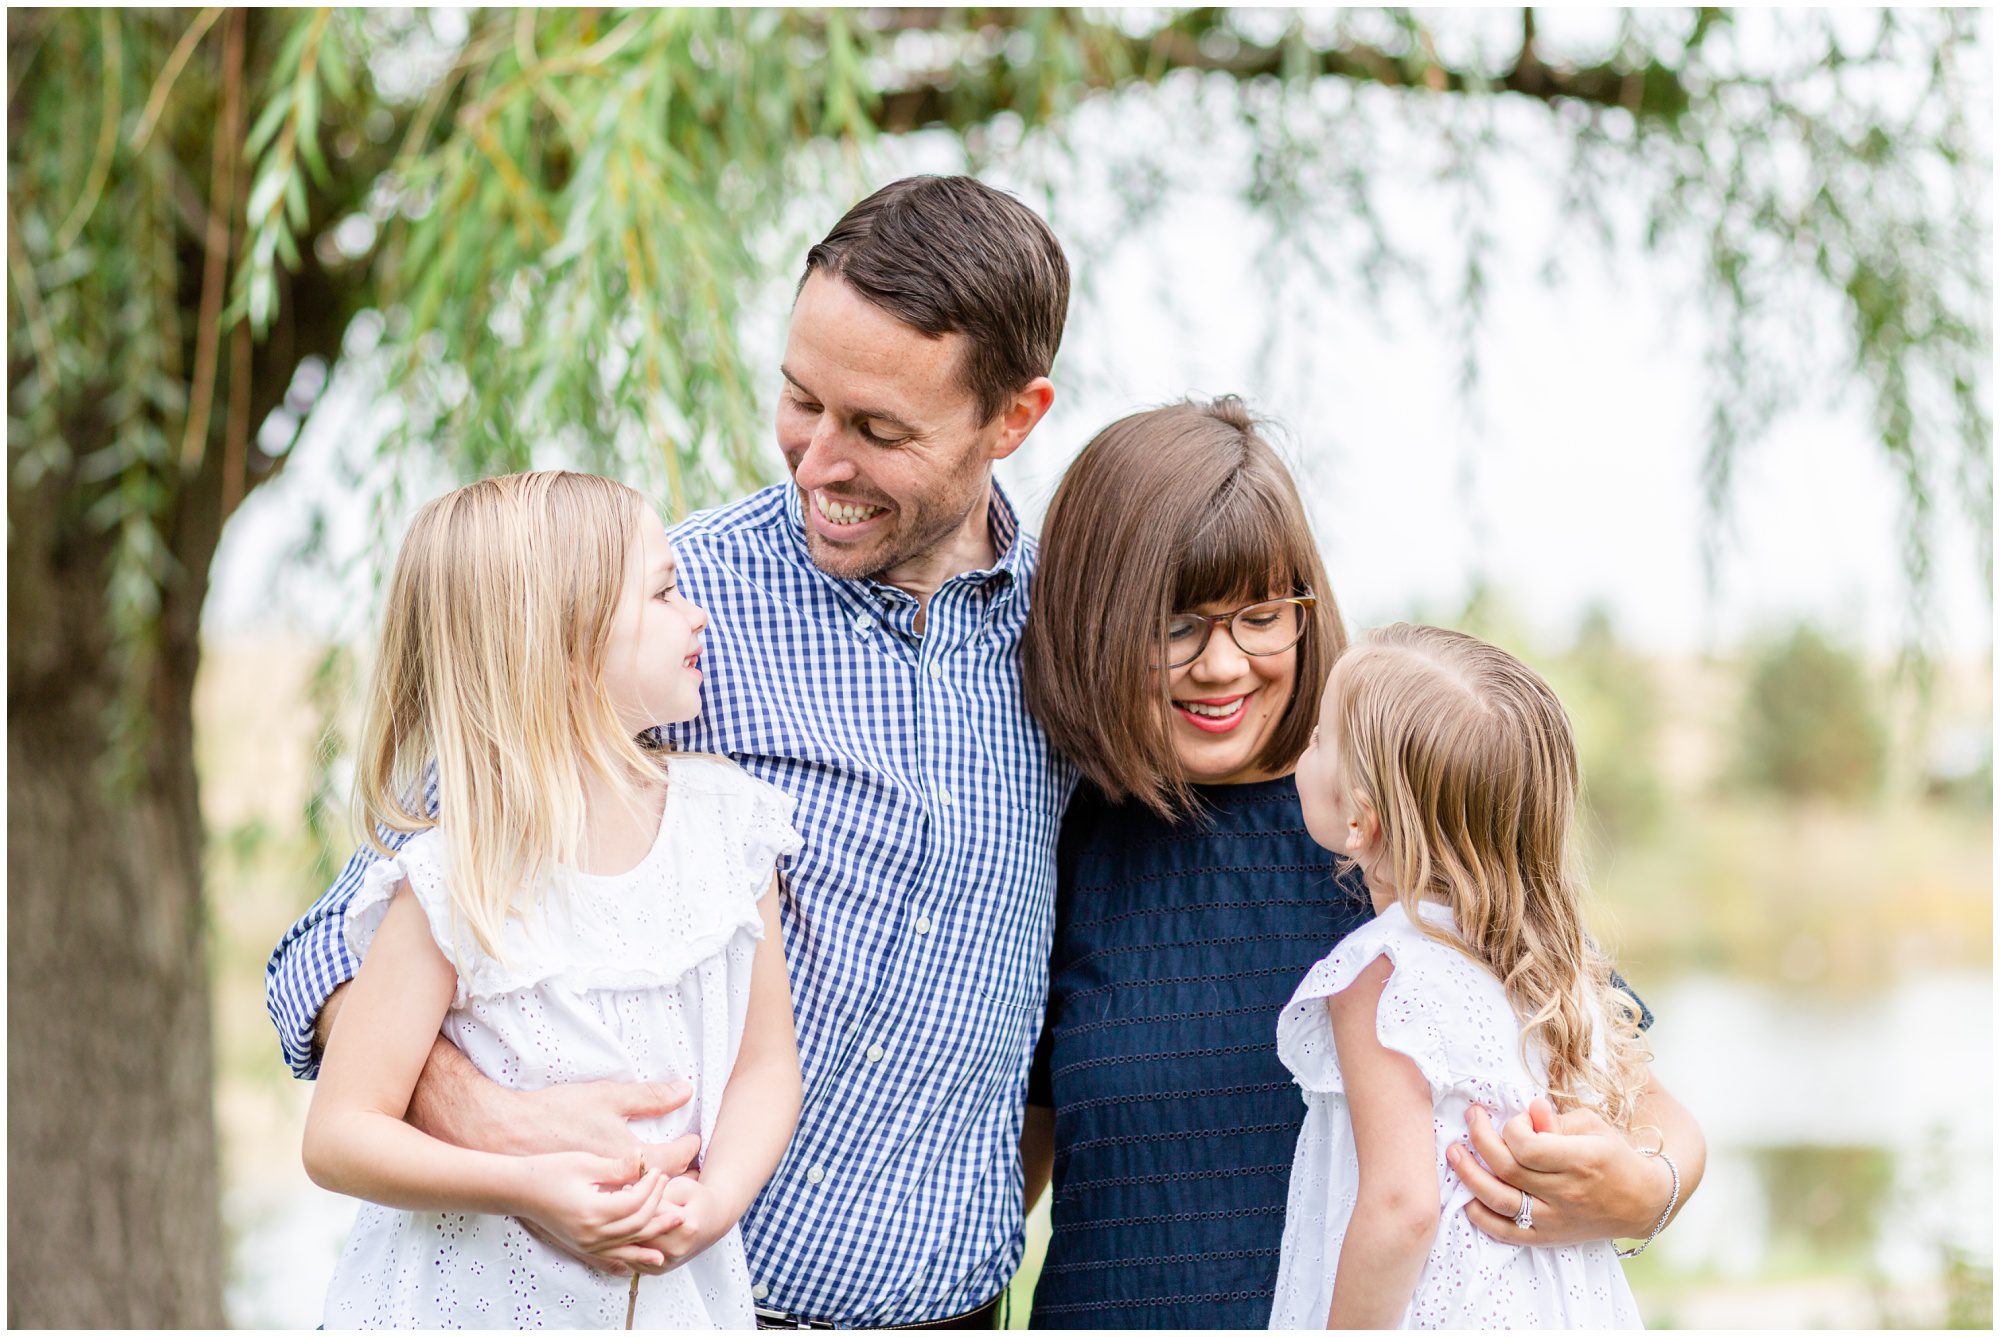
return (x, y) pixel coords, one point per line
(951, 255)
(1165, 511)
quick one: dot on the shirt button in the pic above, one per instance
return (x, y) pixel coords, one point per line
(814, 1175)
(937, 670)
(944, 797)
(761, 1291)
(923, 924)
(875, 1053)
(863, 623)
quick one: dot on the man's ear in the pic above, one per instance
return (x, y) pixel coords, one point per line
(1019, 415)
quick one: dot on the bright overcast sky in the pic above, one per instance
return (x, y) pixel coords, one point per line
(1575, 478)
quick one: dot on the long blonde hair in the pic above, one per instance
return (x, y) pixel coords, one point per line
(1469, 763)
(491, 663)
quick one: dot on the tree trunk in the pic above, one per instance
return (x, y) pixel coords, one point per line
(113, 1213)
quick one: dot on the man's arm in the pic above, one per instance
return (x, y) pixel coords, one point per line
(1038, 1123)
(1588, 1181)
(455, 1102)
(311, 963)
(1038, 1153)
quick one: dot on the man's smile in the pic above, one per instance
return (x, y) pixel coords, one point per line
(843, 519)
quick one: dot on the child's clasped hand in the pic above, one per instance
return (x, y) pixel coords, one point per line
(614, 1208)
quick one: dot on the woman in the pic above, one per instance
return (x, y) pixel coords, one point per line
(1181, 629)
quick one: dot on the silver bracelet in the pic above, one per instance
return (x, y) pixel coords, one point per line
(1672, 1199)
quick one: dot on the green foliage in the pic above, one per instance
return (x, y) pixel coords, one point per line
(329, 832)
(97, 360)
(561, 217)
(1614, 705)
(569, 251)
(1825, 1201)
(1809, 726)
(1968, 1288)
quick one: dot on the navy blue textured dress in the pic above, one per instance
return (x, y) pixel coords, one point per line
(1176, 947)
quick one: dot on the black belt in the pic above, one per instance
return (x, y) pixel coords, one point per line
(980, 1318)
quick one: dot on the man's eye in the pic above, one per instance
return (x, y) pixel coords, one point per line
(867, 434)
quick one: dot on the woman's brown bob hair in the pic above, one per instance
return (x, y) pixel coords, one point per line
(1165, 511)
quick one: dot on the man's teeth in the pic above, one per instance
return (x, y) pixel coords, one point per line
(1213, 712)
(843, 514)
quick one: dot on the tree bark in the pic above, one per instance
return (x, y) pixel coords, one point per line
(112, 1210)
(113, 1206)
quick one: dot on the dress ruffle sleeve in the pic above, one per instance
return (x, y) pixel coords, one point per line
(417, 864)
(1407, 1021)
(759, 827)
(369, 905)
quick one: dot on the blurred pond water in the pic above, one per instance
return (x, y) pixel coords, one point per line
(1850, 1139)
(1850, 1163)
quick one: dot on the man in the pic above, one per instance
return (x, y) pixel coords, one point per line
(862, 656)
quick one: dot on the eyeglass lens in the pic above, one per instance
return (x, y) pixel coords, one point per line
(1260, 629)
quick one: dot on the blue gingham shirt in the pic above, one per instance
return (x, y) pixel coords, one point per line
(916, 919)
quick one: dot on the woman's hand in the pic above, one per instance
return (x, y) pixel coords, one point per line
(703, 1220)
(1588, 1182)
(599, 1205)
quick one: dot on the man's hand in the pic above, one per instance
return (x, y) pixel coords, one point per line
(586, 1116)
(1588, 1182)
(597, 1117)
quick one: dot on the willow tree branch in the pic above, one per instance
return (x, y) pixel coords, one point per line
(949, 98)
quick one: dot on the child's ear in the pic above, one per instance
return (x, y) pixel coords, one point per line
(1364, 829)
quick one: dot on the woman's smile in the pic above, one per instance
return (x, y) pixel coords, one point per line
(1214, 714)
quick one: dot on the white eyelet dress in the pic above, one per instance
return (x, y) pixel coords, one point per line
(640, 977)
(1451, 1016)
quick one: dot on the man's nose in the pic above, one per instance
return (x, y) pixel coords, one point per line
(824, 462)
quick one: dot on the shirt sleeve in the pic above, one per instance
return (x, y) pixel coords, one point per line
(312, 959)
(1645, 1013)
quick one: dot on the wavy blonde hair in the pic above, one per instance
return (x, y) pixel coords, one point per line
(491, 666)
(1469, 763)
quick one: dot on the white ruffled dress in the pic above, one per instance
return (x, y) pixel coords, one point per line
(1451, 1016)
(640, 977)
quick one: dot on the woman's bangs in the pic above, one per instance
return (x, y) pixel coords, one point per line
(1244, 555)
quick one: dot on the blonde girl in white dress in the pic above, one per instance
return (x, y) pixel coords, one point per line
(1446, 769)
(581, 908)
